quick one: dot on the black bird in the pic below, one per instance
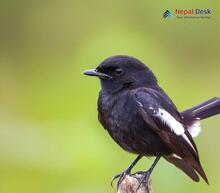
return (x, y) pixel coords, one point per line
(142, 119)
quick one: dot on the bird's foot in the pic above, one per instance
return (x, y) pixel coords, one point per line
(144, 179)
(121, 177)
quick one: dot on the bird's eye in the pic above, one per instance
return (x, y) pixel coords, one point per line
(118, 71)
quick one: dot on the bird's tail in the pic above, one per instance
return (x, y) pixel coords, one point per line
(189, 168)
(191, 118)
(184, 166)
(204, 110)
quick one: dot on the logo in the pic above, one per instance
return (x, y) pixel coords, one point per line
(189, 13)
(167, 14)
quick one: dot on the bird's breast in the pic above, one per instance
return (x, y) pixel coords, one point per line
(119, 116)
(116, 111)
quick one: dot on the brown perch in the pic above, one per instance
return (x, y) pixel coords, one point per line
(131, 182)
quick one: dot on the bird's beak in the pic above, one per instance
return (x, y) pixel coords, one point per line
(94, 72)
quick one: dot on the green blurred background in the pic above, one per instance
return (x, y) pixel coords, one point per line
(50, 138)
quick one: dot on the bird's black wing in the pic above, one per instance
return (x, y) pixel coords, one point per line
(163, 120)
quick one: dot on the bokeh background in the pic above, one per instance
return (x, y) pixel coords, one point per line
(50, 138)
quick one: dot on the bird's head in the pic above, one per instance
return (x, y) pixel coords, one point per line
(118, 72)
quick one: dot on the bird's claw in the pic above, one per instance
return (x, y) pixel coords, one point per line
(114, 178)
(144, 179)
(120, 176)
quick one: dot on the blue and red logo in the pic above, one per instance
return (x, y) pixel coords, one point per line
(188, 13)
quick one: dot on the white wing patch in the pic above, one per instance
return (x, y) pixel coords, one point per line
(170, 121)
(176, 156)
(195, 128)
(173, 124)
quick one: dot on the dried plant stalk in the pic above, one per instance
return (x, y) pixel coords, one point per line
(131, 182)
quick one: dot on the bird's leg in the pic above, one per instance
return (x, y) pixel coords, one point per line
(147, 173)
(122, 175)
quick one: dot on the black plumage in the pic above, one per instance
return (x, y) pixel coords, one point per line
(142, 119)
